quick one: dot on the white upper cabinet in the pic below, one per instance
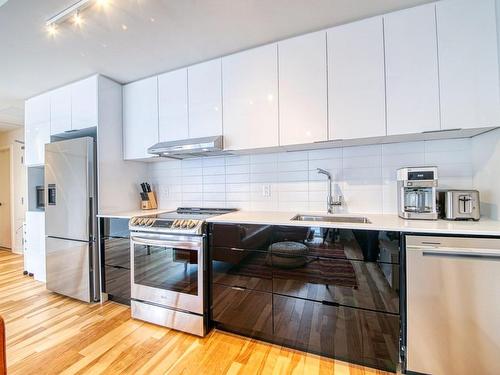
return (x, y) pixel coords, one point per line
(173, 105)
(303, 89)
(411, 71)
(356, 81)
(468, 63)
(140, 118)
(37, 129)
(84, 112)
(205, 99)
(60, 110)
(250, 97)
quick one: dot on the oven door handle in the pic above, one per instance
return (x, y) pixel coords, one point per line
(189, 245)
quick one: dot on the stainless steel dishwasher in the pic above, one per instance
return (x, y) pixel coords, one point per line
(453, 305)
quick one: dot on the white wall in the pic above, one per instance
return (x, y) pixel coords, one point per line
(19, 184)
(364, 175)
(486, 166)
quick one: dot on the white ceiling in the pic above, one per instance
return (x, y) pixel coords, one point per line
(160, 35)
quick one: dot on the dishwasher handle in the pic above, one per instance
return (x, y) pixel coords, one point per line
(463, 253)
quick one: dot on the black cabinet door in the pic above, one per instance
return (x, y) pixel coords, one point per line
(349, 334)
(117, 282)
(242, 310)
(347, 282)
(241, 268)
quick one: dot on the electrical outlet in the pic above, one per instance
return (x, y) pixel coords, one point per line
(165, 191)
(266, 191)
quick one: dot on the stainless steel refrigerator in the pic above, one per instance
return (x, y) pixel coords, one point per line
(70, 221)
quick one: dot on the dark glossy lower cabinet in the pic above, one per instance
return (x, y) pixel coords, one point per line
(333, 293)
(243, 310)
(115, 258)
(117, 281)
(354, 335)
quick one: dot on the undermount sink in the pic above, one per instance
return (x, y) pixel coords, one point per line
(332, 219)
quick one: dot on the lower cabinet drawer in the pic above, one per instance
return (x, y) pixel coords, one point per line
(354, 335)
(243, 310)
(242, 268)
(117, 282)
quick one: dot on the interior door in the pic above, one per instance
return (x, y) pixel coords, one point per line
(69, 188)
(5, 224)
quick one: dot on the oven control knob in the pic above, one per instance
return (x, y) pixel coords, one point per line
(183, 223)
(175, 224)
(133, 220)
(191, 224)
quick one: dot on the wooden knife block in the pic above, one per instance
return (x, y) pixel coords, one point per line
(151, 203)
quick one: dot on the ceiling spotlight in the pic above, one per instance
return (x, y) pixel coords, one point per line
(72, 12)
(124, 27)
(102, 3)
(77, 19)
(52, 29)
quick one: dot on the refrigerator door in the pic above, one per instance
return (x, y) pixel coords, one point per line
(68, 268)
(70, 189)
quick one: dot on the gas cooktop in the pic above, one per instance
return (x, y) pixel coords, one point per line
(185, 220)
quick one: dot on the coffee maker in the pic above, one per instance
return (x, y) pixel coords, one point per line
(417, 193)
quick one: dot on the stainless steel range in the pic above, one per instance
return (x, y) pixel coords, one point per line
(168, 263)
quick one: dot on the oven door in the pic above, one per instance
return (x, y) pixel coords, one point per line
(168, 270)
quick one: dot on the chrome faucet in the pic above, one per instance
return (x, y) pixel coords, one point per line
(330, 202)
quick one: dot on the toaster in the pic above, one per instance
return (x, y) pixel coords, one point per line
(459, 204)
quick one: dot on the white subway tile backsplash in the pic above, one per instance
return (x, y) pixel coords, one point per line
(288, 181)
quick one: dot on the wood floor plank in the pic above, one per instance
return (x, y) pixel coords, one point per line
(51, 334)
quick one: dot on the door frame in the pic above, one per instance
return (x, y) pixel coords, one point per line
(11, 195)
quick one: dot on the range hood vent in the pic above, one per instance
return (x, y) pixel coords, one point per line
(189, 148)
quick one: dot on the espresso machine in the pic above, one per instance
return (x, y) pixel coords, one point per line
(417, 193)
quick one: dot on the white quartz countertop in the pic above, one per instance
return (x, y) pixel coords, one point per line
(129, 214)
(484, 227)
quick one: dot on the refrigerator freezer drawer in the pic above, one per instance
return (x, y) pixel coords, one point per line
(68, 268)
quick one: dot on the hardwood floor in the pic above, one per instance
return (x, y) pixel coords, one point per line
(51, 334)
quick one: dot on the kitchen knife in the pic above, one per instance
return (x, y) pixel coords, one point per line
(148, 187)
(143, 187)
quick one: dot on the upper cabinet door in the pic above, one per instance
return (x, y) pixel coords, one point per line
(356, 80)
(173, 105)
(411, 70)
(84, 103)
(205, 99)
(468, 63)
(37, 129)
(60, 110)
(250, 97)
(303, 89)
(140, 118)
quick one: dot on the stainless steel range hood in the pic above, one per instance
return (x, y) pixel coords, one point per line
(189, 148)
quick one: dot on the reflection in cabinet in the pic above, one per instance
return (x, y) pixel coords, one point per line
(355, 335)
(356, 81)
(117, 283)
(350, 283)
(302, 89)
(468, 63)
(241, 268)
(242, 310)
(411, 71)
(115, 258)
(250, 98)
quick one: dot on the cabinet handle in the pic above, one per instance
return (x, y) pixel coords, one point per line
(329, 303)
(239, 288)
